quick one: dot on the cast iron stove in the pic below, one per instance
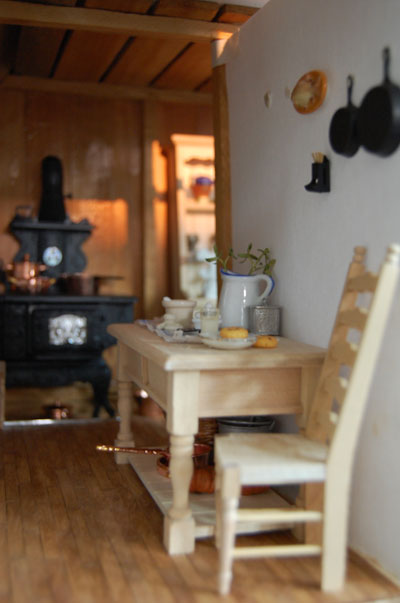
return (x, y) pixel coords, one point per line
(56, 339)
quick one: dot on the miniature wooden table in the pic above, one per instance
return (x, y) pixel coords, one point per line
(190, 381)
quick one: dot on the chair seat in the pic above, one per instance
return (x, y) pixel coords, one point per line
(272, 458)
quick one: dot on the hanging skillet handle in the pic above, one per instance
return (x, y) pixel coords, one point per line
(350, 84)
(343, 128)
(386, 63)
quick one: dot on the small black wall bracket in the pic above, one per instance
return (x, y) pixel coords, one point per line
(320, 177)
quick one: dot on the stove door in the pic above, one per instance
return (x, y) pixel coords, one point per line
(73, 330)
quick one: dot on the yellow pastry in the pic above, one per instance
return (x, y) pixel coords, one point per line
(266, 341)
(233, 333)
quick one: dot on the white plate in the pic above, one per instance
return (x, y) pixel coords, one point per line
(221, 343)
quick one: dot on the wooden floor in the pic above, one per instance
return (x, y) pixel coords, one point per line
(75, 527)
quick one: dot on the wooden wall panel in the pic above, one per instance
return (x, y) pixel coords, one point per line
(48, 125)
(106, 165)
(12, 167)
(98, 142)
(183, 119)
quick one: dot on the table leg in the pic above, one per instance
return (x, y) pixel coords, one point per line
(179, 525)
(125, 435)
(182, 424)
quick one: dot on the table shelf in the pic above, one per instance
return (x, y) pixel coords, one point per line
(202, 505)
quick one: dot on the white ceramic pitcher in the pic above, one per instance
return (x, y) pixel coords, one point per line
(237, 293)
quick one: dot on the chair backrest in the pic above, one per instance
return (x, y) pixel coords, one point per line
(347, 372)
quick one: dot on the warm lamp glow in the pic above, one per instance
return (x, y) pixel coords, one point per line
(107, 248)
(110, 219)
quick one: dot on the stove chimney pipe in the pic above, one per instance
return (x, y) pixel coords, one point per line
(52, 201)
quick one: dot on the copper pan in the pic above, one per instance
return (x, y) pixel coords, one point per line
(203, 479)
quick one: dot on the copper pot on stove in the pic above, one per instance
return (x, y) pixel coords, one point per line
(79, 283)
(25, 269)
(26, 277)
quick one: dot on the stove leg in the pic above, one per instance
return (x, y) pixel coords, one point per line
(100, 385)
(100, 392)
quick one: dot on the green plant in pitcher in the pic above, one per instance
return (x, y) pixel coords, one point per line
(218, 259)
(257, 263)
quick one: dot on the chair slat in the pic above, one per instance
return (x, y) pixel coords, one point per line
(344, 352)
(278, 515)
(363, 283)
(334, 417)
(354, 318)
(318, 428)
(280, 550)
(327, 422)
(336, 386)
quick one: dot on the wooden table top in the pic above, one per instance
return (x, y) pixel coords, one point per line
(197, 356)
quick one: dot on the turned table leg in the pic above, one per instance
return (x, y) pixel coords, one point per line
(182, 425)
(179, 524)
(125, 435)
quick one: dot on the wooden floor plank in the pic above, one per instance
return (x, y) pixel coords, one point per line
(77, 528)
(10, 477)
(2, 502)
(60, 586)
(5, 583)
(113, 572)
(15, 535)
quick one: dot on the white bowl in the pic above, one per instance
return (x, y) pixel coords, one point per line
(182, 309)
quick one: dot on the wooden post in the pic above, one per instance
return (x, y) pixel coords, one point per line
(155, 215)
(174, 289)
(147, 200)
(223, 209)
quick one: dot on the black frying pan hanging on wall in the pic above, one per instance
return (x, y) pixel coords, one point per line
(379, 115)
(343, 129)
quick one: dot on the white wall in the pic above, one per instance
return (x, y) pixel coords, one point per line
(312, 235)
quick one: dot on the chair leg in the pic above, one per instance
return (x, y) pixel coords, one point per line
(218, 508)
(334, 550)
(228, 504)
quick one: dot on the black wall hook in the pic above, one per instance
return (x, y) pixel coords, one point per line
(320, 174)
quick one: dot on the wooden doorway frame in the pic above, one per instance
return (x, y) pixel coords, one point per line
(223, 209)
(223, 199)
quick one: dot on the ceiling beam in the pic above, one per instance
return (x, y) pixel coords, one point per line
(106, 21)
(16, 82)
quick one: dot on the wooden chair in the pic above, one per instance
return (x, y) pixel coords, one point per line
(324, 453)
